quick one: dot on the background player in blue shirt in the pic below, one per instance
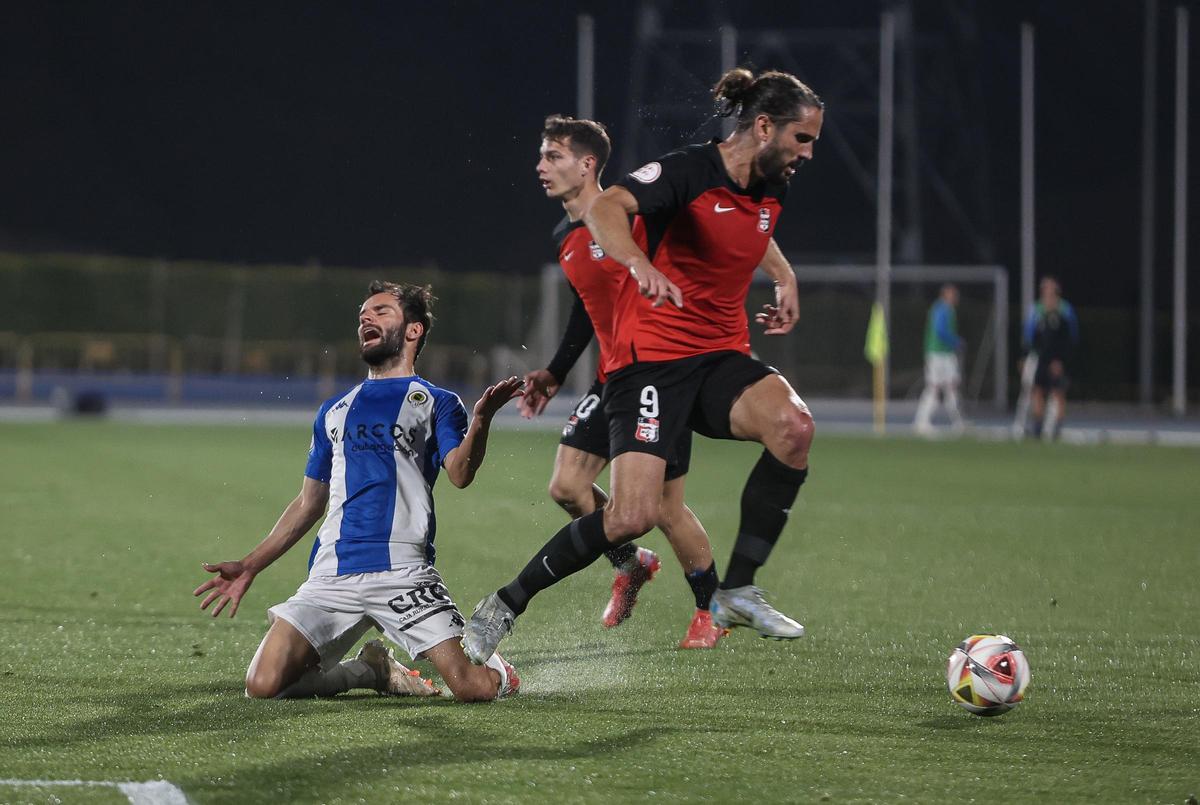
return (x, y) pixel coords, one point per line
(375, 454)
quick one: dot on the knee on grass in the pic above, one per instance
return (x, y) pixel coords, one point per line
(477, 684)
(263, 684)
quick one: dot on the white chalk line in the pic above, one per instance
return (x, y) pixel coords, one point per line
(152, 792)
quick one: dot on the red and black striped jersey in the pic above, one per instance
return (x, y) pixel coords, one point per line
(596, 278)
(707, 235)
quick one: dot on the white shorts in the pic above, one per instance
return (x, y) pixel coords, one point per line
(410, 605)
(941, 369)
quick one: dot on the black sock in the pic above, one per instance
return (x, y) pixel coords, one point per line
(621, 554)
(770, 492)
(703, 584)
(574, 547)
(1037, 428)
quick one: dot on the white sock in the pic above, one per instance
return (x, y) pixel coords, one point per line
(1050, 425)
(342, 677)
(952, 406)
(496, 665)
(925, 407)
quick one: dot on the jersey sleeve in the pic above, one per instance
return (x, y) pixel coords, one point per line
(320, 451)
(661, 187)
(449, 425)
(575, 339)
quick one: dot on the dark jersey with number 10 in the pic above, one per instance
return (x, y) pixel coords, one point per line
(707, 235)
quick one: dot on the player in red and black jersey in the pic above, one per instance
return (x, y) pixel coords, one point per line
(682, 354)
(572, 156)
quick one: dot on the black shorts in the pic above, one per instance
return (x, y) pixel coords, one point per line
(587, 429)
(650, 404)
(1044, 380)
(587, 426)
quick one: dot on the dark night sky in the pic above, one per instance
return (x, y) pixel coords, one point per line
(401, 133)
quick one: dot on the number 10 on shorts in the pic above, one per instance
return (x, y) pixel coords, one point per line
(647, 424)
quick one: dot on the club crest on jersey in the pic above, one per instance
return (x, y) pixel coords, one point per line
(648, 172)
(597, 252)
(569, 428)
(417, 397)
(647, 429)
(764, 219)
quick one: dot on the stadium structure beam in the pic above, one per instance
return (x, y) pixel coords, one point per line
(1027, 168)
(1146, 266)
(883, 208)
(1179, 401)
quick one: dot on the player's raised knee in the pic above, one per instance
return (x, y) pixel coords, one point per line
(625, 522)
(564, 494)
(794, 434)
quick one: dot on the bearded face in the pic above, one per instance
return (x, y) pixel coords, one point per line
(777, 163)
(378, 346)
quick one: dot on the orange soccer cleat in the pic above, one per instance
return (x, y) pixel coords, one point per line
(626, 585)
(702, 632)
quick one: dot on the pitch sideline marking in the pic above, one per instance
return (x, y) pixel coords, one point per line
(152, 792)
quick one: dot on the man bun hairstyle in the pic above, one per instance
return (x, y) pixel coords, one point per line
(773, 93)
(582, 136)
(416, 302)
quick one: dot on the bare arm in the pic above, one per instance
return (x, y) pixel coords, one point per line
(465, 460)
(780, 317)
(608, 221)
(234, 578)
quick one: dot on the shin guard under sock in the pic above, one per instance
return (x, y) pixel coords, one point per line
(574, 547)
(621, 554)
(770, 492)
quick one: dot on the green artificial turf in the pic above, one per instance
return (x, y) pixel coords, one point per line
(896, 550)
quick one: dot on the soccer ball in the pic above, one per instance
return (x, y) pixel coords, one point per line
(987, 674)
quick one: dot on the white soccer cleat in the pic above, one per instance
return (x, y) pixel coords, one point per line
(745, 606)
(392, 678)
(490, 622)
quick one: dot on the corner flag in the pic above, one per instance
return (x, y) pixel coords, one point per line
(876, 348)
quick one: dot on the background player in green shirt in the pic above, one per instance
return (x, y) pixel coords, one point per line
(942, 344)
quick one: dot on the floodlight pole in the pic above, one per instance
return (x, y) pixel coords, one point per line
(586, 68)
(728, 62)
(1149, 134)
(1027, 199)
(883, 204)
(1179, 402)
(585, 103)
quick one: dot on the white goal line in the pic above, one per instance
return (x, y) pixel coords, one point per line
(152, 792)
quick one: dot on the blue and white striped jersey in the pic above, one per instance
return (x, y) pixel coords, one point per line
(379, 447)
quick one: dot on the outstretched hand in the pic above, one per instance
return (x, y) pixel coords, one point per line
(654, 285)
(540, 388)
(228, 586)
(782, 316)
(496, 397)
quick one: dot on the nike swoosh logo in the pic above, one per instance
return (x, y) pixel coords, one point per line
(547, 566)
(718, 208)
(567, 256)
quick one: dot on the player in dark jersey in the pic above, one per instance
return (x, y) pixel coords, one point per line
(1050, 337)
(682, 353)
(573, 154)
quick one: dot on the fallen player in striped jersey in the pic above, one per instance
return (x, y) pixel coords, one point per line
(376, 451)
